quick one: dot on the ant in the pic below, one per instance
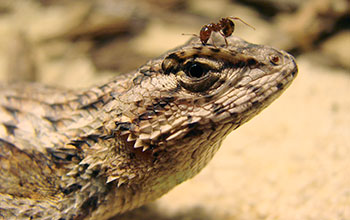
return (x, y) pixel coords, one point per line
(225, 27)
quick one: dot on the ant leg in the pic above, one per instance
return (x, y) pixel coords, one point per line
(226, 41)
(223, 35)
(194, 35)
(237, 18)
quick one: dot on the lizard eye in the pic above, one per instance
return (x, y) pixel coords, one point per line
(197, 77)
(194, 74)
(196, 70)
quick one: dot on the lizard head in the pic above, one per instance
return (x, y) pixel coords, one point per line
(191, 98)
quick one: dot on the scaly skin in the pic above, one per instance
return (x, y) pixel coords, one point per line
(112, 148)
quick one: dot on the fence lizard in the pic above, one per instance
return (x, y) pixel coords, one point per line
(96, 153)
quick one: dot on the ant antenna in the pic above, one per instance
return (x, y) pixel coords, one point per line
(237, 18)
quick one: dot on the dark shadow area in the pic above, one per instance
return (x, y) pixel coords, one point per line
(152, 212)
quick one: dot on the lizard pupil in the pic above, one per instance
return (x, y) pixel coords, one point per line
(196, 70)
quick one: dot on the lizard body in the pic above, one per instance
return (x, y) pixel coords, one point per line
(115, 147)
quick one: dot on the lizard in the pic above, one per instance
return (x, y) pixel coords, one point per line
(99, 152)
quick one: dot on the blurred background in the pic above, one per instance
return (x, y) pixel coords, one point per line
(290, 162)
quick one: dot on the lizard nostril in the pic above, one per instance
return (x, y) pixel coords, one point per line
(275, 60)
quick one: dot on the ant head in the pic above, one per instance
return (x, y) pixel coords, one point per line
(228, 27)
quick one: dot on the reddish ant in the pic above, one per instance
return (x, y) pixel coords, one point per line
(225, 27)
